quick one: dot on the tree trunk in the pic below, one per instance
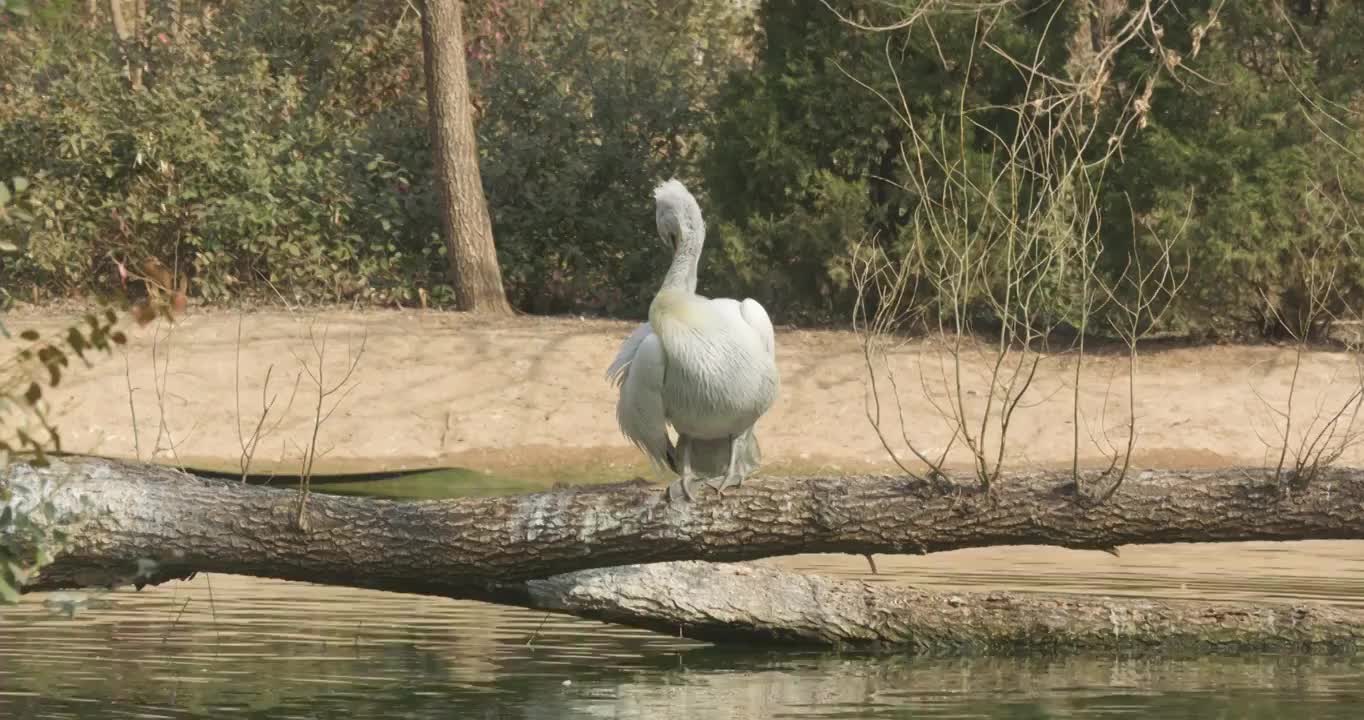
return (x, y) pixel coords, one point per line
(555, 551)
(128, 39)
(177, 20)
(468, 230)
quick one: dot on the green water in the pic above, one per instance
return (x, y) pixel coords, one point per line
(230, 646)
(436, 482)
(452, 482)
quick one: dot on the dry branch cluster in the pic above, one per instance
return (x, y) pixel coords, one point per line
(328, 383)
(999, 232)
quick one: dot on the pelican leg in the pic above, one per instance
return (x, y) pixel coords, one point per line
(685, 477)
(735, 475)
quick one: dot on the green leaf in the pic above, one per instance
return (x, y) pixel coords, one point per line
(15, 571)
(20, 183)
(4, 195)
(8, 594)
(77, 342)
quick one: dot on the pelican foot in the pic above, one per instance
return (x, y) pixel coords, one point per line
(721, 484)
(685, 476)
(679, 489)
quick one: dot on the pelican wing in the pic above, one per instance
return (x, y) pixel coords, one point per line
(640, 407)
(750, 313)
(616, 372)
(753, 313)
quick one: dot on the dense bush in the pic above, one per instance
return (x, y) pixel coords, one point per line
(1255, 161)
(1262, 166)
(280, 149)
(588, 106)
(808, 154)
(223, 164)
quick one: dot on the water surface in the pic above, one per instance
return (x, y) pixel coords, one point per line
(231, 646)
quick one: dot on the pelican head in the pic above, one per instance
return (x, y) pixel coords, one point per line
(679, 218)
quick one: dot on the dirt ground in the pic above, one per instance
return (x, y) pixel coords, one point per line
(436, 388)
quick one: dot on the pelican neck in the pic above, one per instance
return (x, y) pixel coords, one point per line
(682, 273)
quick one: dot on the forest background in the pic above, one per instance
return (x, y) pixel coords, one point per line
(279, 151)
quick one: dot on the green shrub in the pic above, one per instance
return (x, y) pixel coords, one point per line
(585, 111)
(1248, 141)
(1257, 170)
(282, 149)
(219, 165)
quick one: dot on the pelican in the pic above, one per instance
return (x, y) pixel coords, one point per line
(705, 366)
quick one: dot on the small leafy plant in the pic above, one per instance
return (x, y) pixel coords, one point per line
(33, 529)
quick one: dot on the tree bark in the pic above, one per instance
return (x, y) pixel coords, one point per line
(128, 39)
(468, 229)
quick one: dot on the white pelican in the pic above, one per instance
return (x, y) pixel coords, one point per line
(706, 366)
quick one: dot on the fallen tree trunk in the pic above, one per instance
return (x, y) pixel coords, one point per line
(443, 546)
(724, 601)
(145, 524)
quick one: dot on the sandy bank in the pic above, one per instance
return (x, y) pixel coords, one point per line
(437, 388)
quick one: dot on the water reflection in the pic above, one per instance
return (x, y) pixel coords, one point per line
(227, 646)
